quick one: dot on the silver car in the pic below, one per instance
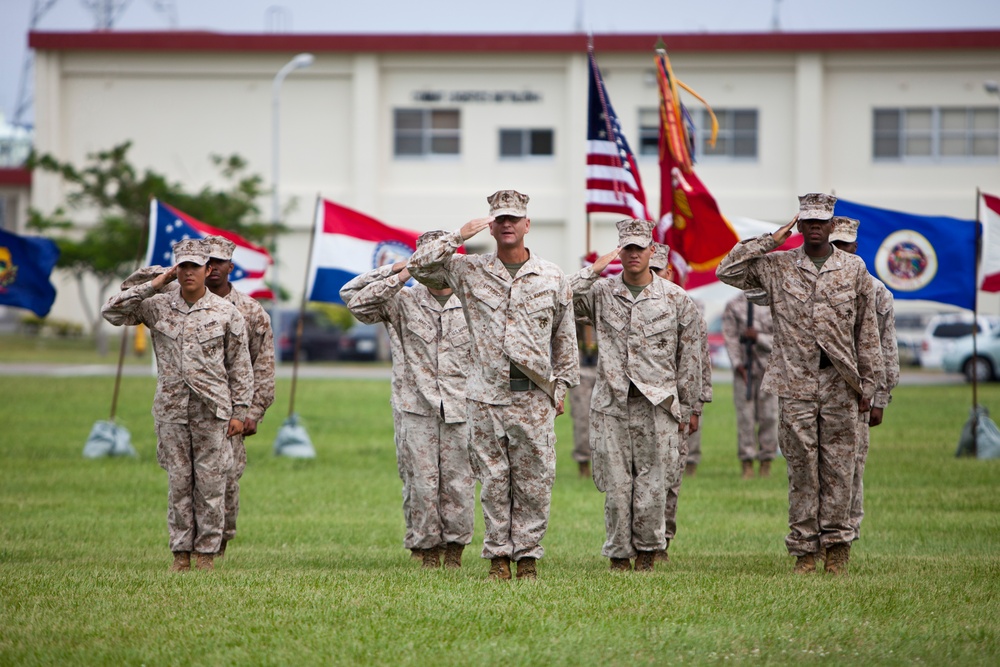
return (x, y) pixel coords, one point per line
(984, 366)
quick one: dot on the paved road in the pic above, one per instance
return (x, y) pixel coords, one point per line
(363, 372)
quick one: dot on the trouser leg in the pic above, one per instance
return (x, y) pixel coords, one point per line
(799, 439)
(457, 489)
(579, 409)
(529, 425)
(488, 444)
(858, 486)
(233, 486)
(838, 444)
(420, 443)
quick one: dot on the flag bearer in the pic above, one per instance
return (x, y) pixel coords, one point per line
(648, 381)
(435, 355)
(203, 392)
(826, 364)
(260, 342)
(520, 314)
(845, 237)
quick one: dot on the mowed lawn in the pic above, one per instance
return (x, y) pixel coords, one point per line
(318, 573)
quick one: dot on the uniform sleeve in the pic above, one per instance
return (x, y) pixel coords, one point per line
(890, 355)
(261, 348)
(565, 354)
(128, 307)
(358, 283)
(731, 330)
(238, 366)
(689, 365)
(871, 368)
(706, 368)
(581, 283)
(432, 263)
(741, 267)
(375, 302)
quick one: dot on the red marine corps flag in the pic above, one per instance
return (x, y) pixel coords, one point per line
(690, 220)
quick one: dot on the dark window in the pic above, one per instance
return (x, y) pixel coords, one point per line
(525, 143)
(935, 133)
(426, 132)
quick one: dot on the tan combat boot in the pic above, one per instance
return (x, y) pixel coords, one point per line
(645, 561)
(690, 469)
(621, 565)
(182, 561)
(453, 555)
(431, 558)
(805, 564)
(765, 468)
(748, 470)
(205, 562)
(526, 569)
(500, 569)
(417, 554)
(662, 557)
(837, 557)
(584, 469)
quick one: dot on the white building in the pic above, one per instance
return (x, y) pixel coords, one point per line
(417, 130)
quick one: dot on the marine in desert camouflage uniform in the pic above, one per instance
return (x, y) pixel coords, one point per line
(825, 366)
(520, 314)
(757, 416)
(648, 381)
(691, 433)
(845, 237)
(260, 343)
(434, 435)
(203, 393)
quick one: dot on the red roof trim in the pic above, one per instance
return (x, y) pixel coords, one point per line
(785, 41)
(15, 176)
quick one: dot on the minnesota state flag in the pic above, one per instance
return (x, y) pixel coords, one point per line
(25, 266)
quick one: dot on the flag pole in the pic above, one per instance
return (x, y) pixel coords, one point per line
(975, 327)
(302, 310)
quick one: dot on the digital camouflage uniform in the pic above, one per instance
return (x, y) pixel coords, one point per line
(883, 396)
(347, 292)
(832, 310)
(528, 321)
(434, 436)
(648, 379)
(579, 407)
(260, 343)
(690, 443)
(756, 418)
(204, 379)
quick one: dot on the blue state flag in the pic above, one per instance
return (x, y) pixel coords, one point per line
(918, 256)
(25, 266)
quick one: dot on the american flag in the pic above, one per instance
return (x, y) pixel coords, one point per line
(167, 226)
(613, 183)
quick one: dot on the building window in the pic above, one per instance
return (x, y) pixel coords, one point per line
(426, 132)
(526, 143)
(737, 137)
(936, 133)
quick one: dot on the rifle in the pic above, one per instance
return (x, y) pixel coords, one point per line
(748, 352)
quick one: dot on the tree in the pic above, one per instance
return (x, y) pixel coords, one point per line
(114, 197)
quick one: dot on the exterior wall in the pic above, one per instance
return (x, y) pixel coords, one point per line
(814, 134)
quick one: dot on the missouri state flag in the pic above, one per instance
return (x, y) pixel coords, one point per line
(918, 256)
(26, 263)
(168, 225)
(346, 244)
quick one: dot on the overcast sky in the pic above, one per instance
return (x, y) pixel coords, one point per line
(476, 16)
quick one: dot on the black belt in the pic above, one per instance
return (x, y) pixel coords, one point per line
(520, 384)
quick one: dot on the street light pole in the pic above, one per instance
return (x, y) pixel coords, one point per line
(298, 62)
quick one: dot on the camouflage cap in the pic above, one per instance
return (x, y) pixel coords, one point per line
(635, 232)
(816, 206)
(427, 237)
(219, 247)
(844, 229)
(508, 202)
(661, 257)
(191, 250)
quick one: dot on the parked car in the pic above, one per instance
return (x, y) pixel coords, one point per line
(910, 329)
(360, 343)
(984, 366)
(320, 336)
(943, 330)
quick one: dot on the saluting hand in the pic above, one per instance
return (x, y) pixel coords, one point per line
(604, 260)
(166, 277)
(473, 227)
(782, 234)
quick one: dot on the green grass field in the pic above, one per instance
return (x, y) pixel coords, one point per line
(318, 573)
